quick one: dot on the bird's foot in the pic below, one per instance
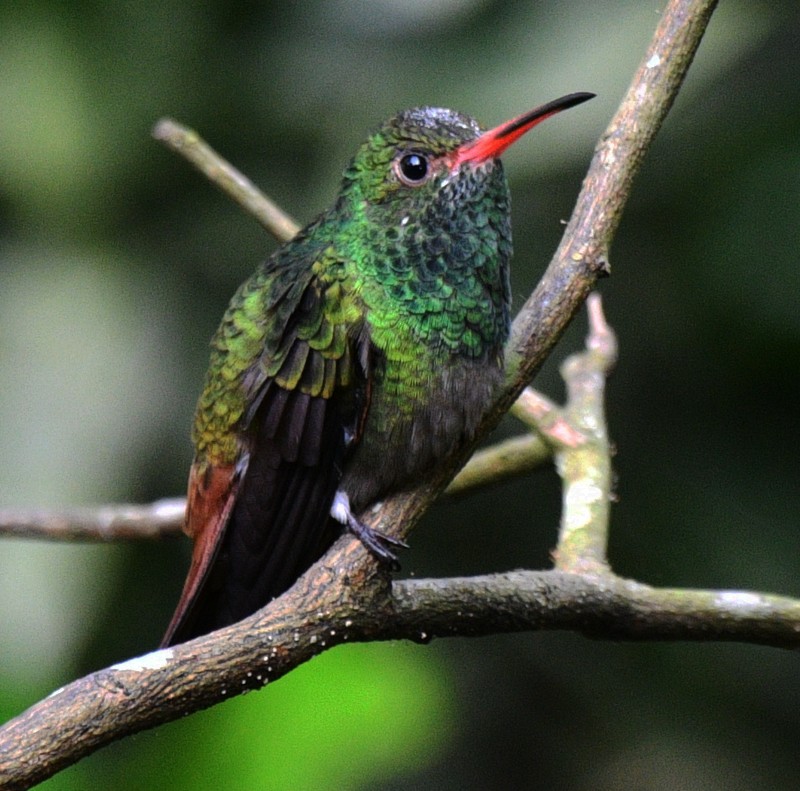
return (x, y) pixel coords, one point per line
(378, 544)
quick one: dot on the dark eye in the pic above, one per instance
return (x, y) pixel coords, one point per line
(412, 169)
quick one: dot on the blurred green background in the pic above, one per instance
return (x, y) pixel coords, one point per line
(116, 263)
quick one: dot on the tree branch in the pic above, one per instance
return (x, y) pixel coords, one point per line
(583, 254)
(600, 606)
(103, 523)
(585, 464)
(219, 171)
(502, 461)
(163, 518)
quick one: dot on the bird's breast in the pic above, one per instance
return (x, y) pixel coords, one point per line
(419, 411)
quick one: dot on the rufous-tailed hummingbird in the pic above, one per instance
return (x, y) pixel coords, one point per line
(359, 354)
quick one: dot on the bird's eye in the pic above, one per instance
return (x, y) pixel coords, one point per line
(412, 169)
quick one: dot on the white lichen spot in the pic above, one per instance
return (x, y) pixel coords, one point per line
(654, 61)
(580, 497)
(739, 599)
(152, 661)
(312, 639)
(348, 623)
(333, 632)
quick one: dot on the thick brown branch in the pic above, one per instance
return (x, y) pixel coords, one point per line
(327, 608)
(583, 255)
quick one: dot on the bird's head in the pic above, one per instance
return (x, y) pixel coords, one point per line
(423, 157)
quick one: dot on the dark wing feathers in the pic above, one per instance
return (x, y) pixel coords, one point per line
(311, 442)
(306, 401)
(271, 540)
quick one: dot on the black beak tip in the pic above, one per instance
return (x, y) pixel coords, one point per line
(575, 99)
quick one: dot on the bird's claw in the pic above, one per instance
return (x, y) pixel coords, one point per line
(378, 544)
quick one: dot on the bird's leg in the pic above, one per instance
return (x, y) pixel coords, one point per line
(378, 544)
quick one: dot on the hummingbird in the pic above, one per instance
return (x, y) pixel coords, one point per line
(354, 358)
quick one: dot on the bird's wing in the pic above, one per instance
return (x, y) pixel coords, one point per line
(261, 521)
(212, 493)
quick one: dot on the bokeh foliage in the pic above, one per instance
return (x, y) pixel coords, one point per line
(116, 262)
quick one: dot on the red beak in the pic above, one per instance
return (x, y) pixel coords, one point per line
(492, 143)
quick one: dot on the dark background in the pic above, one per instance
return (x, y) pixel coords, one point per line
(116, 263)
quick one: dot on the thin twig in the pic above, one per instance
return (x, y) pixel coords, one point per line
(219, 171)
(544, 416)
(502, 461)
(585, 467)
(102, 523)
(163, 518)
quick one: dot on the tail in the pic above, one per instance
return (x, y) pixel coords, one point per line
(255, 533)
